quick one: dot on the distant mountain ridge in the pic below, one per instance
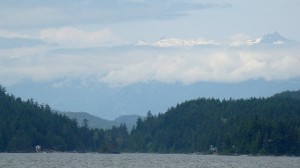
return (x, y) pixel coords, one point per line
(271, 38)
(141, 97)
(97, 122)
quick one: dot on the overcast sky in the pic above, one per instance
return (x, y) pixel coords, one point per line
(122, 42)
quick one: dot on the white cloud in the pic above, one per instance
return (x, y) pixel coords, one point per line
(285, 67)
(31, 13)
(75, 38)
(121, 66)
(23, 15)
(10, 34)
(219, 65)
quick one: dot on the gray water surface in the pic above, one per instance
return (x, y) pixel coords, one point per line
(79, 160)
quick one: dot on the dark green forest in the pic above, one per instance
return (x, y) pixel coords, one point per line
(259, 126)
(25, 124)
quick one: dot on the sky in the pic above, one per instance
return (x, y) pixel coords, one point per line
(121, 43)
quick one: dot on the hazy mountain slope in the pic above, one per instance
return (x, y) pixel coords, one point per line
(110, 103)
(93, 121)
(129, 120)
(97, 122)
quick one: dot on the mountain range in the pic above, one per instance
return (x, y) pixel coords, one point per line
(110, 103)
(176, 42)
(157, 91)
(270, 39)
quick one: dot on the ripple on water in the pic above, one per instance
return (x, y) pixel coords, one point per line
(90, 160)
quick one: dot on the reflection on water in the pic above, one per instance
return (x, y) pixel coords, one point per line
(79, 160)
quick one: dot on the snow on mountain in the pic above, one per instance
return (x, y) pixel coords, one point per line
(175, 42)
(274, 38)
(239, 40)
(253, 42)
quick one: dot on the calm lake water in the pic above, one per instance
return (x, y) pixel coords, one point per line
(80, 160)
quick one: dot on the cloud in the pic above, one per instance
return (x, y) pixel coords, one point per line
(74, 38)
(6, 43)
(57, 13)
(11, 34)
(217, 65)
(129, 64)
(30, 16)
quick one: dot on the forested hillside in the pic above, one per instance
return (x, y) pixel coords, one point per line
(25, 124)
(268, 126)
(289, 94)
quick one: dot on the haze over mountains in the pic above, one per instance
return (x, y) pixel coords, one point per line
(97, 122)
(127, 57)
(154, 94)
(109, 103)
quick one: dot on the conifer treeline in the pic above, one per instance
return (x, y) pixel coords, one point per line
(25, 124)
(268, 126)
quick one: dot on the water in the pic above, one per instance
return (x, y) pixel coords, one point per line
(79, 160)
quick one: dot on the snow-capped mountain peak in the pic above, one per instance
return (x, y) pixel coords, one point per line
(175, 42)
(274, 38)
(269, 39)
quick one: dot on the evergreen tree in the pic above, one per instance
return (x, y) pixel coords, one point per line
(245, 126)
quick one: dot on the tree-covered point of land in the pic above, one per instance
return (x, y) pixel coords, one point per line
(268, 126)
(25, 124)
